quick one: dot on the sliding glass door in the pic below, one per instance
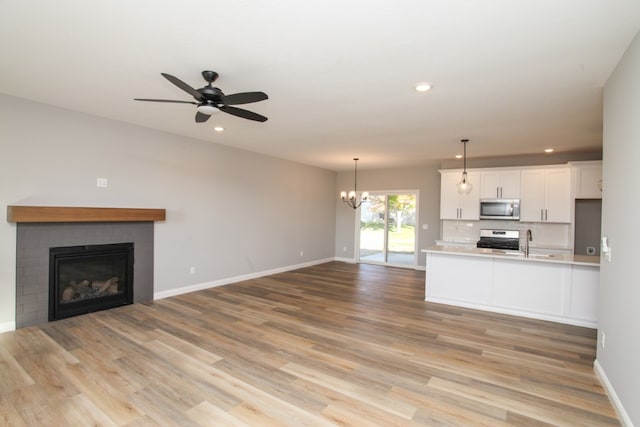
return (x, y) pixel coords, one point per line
(387, 229)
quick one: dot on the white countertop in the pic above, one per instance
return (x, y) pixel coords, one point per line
(472, 242)
(593, 261)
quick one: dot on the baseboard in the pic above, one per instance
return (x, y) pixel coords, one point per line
(228, 280)
(353, 261)
(347, 260)
(613, 397)
(527, 314)
(7, 326)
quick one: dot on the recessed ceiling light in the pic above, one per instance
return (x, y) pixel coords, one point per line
(218, 128)
(549, 150)
(423, 86)
(458, 156)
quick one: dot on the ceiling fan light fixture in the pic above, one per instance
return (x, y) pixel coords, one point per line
(218, 128)
(211, 100)
(208, 109)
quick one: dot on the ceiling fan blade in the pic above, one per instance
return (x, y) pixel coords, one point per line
(185, 87)
(201, 118)
(165, 100)
(245, 114)
(244, 98)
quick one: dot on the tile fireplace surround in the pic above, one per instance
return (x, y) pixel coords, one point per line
(40, 228)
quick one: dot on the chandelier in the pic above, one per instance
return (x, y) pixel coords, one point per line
(351, 198)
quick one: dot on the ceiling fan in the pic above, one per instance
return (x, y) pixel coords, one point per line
(211, 100)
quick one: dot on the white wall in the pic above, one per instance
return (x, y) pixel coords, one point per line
(425, 179)
(619, 306)
(229, 212)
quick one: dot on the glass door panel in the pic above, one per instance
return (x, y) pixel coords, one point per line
(372, 229)
(401, 229)
(388, 229)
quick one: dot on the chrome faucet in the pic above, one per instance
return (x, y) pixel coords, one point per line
(526, 243)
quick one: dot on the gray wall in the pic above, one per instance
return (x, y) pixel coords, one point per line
(425, 179)
(619, 304)
(229, 212)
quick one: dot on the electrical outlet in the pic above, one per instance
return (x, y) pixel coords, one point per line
(602, 339)
(344, 249)
(301, 253)
(192, 270)
(425, 226)
(101, 182)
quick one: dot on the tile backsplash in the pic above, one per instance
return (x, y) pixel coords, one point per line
(544, 234)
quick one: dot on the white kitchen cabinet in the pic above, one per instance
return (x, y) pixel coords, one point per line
(545, 195)
(559, 291)
(504, 184)
(587, 179)
(454, 205)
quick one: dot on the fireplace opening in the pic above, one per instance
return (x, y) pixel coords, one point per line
(84, 279)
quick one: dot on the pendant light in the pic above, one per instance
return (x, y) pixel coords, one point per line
(351, 199)
(464, 186)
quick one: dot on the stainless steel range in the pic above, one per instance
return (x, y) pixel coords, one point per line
(499, 239)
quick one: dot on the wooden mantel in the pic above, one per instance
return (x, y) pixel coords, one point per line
(82, 214)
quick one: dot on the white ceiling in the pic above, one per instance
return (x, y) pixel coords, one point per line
(512, 76)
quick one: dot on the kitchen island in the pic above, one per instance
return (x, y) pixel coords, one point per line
(556, 287)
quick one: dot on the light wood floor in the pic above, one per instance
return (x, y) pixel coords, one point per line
(334, 344)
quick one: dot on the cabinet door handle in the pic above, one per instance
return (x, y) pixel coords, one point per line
(501, 192)
(541, 214)
(497, 192)
(545, 214)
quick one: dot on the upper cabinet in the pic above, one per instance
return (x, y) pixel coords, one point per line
(504, 184)
(545, 195)
(454, 205)
(587, 179)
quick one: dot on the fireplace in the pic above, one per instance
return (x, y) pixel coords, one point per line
(88, 278)
(40, 228)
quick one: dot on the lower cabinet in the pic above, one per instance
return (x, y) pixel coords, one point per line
(565, 293)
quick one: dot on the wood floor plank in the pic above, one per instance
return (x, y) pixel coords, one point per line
(97, 390)
(14, 374)
(206, 414)
(332, 344)
(372, 397)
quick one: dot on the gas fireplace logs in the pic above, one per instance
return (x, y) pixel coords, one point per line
(86, 289)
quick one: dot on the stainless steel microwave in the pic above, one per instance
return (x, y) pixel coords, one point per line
(500, 209)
